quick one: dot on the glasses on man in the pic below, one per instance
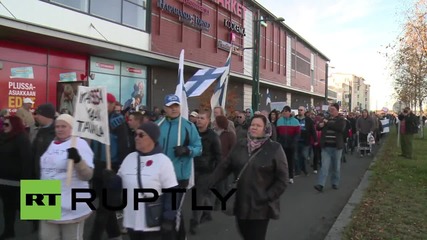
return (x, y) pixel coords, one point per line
(6, 124)
(141, 135)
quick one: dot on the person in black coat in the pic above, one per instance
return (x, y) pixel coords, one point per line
(262, 182)
(204, 165)
(15, 164)
(45, 117)
(408, 127)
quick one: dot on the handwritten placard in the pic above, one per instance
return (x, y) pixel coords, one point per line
(91, 114)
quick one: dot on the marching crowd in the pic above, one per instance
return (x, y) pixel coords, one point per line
(259, 152)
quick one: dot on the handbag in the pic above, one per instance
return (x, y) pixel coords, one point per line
(231, 202)
(153, 210)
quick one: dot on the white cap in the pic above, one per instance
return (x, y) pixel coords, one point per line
(28, 100)
(66, 118)
(194, 114)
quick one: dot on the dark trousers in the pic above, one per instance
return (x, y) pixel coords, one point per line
(290, 152)
(301, 155)
(104, 219)
(252, 229)
(140, 235)
(406, 144)
(363, 142)
(317, 157)
(204, 197)
(10, 197)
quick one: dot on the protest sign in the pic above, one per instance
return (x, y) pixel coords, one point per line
(91, 114)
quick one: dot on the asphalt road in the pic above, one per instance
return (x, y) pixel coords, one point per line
(305, 213)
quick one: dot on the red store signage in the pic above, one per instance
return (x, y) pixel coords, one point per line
(233, 6)
(105, 65)
(134, 70)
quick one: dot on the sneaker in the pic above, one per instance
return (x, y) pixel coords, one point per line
(315, 171)
(318, 188)
(291, 180)
(335, 187)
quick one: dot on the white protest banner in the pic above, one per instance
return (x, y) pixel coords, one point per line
(91, 114)
(386, 125)
(278, 105)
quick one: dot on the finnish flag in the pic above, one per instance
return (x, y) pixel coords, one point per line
(202, 79)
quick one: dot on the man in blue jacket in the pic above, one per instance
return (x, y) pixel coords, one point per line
(180, 152)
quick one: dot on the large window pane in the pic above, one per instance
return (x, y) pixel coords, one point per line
(81, 5)
(134, 16)
(109, 9)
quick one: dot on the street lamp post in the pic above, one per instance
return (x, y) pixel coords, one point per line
(256, 56)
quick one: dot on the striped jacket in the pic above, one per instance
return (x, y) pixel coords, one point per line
(288, 131)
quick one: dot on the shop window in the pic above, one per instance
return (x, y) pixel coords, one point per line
(81, 5)
(131, 13)
(126, 81)
(134, 15)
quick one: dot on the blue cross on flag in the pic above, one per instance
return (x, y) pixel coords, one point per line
(202, 79)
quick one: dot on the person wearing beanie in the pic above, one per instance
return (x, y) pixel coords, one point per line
(45, 118)
(332, 144)
(53, 166)
(41, 137)
(106, 220)
(147, 167)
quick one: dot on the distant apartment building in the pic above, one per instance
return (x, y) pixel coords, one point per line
(353, 94)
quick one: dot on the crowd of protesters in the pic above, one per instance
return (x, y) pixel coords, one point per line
(261, 152)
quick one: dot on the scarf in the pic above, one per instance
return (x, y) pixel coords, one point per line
(256, 142)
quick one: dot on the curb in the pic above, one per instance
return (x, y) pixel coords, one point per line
(336, 231)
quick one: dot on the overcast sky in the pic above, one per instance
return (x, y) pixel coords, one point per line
(350, 33)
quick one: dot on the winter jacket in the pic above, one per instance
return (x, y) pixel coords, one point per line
(169, 139)
(365, 125)
(15, 160)
(41, 142)
(119, 144)
(261, 184)
(211, 155)
(288, 131)
(227, 140)
(308, 130)
(333, 133)
(411, 123)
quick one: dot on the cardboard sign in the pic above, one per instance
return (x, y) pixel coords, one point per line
(91, 114)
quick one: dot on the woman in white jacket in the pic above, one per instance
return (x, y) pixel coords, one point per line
(53, 166)
(149, 168)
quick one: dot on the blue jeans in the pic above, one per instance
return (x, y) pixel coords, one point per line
(331, 158)
(301, 158)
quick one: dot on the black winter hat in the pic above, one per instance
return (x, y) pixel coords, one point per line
(46, 110)
(286, 108)
(152, 130)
